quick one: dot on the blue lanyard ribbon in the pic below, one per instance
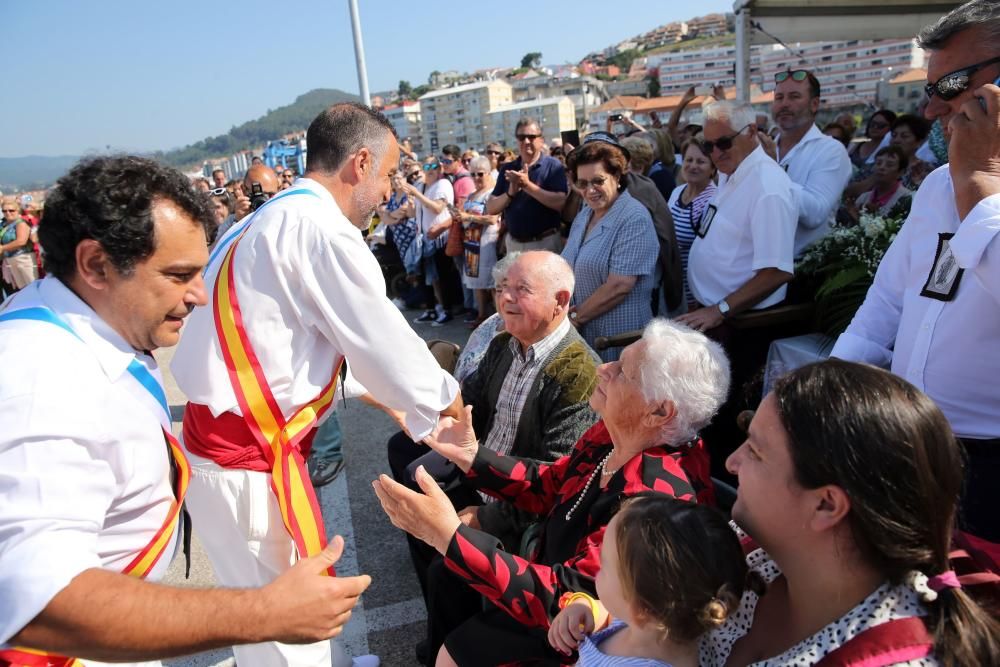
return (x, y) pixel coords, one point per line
(235, 233)
(135, 368)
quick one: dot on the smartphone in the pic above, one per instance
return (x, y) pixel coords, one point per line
(615, 117)
(703, 90)
(982, 102)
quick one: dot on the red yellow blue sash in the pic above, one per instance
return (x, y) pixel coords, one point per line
(147, 559)
(278, 438)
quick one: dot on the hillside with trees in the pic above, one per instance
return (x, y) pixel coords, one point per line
(294, 117)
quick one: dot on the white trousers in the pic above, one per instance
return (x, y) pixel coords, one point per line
(237, 519)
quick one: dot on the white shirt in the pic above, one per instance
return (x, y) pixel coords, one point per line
(947, 349)
(440, 190)
(820, 169)
(84, 467)
(311, 290)
(753, 229)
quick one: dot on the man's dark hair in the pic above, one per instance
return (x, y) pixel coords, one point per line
(983, 14)
(525, 121)
(110, 199)
(218, 170)
(814, 89)
(341, 131)
(452, 151)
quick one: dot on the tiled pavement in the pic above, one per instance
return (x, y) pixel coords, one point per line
(390, 618)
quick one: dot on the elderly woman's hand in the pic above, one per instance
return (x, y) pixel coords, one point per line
(428, 516)
(455, 440)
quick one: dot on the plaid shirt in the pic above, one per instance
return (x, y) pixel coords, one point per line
(521, 376)
(624, 243)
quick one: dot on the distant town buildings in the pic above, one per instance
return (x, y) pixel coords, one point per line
(405, 118)
(458, 115)
(905, 91)
(554, 115)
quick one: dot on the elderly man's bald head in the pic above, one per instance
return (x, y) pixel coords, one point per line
(261, 173)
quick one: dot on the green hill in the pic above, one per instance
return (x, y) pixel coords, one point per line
(274, 124)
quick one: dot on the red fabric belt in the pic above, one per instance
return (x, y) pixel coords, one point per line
(227, 440)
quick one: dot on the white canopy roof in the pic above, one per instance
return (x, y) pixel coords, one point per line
(826, 20)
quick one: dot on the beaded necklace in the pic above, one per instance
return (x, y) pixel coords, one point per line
(590, 480)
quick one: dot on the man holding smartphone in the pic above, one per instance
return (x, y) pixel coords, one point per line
(933, 312)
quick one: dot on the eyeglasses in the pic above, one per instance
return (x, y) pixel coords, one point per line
(955, 83)
(478, 174)
(722, 143)
(583, 184)
(527, 137)
(797, 75)
(428, 167)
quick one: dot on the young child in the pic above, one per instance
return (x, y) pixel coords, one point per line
(670, 571)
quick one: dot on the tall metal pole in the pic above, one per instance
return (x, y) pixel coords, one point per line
(359, 53)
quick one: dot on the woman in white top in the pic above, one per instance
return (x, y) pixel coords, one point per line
(848, 482)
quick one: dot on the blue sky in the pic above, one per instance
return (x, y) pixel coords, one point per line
(143, 75)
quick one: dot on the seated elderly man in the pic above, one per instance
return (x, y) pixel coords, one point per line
(652, 402)
(529, 394)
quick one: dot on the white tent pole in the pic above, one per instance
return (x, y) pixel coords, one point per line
(742, 11)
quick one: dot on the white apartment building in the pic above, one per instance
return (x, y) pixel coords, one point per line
(849, 71)
(554, 115)
(701, 67)
(458, 115)
(405, 118)
(586, 92)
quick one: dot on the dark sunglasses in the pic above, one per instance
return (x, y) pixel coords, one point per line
(445, 160)
(479, 174)
(494, 153)
(428, 167)
(955, 83)
(10, 210)
(527, 137)
(797, 75)
(722, 143)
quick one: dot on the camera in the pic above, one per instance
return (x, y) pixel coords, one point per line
(257, 196)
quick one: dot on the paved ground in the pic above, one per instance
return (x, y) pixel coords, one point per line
(391, 616)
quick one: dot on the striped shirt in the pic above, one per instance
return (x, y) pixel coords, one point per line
(684, 219)
(514, 391)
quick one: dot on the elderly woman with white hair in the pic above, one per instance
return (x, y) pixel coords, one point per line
(479, 240)
(652, 403)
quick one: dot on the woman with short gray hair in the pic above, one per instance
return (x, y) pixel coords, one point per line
(480, 235)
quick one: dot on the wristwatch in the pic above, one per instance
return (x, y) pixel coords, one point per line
(723, 307)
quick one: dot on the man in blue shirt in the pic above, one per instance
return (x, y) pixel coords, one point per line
(530, 192)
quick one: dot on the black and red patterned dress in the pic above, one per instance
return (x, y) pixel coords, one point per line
(568, 556)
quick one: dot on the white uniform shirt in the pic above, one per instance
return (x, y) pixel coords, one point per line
(84, 467)
(820, 169)
(753, 229)
(948, 349)
(311, 290)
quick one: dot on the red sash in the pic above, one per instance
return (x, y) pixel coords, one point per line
(279, 439)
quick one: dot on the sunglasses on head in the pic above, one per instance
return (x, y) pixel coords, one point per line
(527, 137)
(722, 143)
(955, 83)
(433, 165)
(797, 75)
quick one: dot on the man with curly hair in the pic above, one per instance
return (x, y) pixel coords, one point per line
(91, 478)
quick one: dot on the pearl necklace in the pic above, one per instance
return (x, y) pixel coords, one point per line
(590, 480)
